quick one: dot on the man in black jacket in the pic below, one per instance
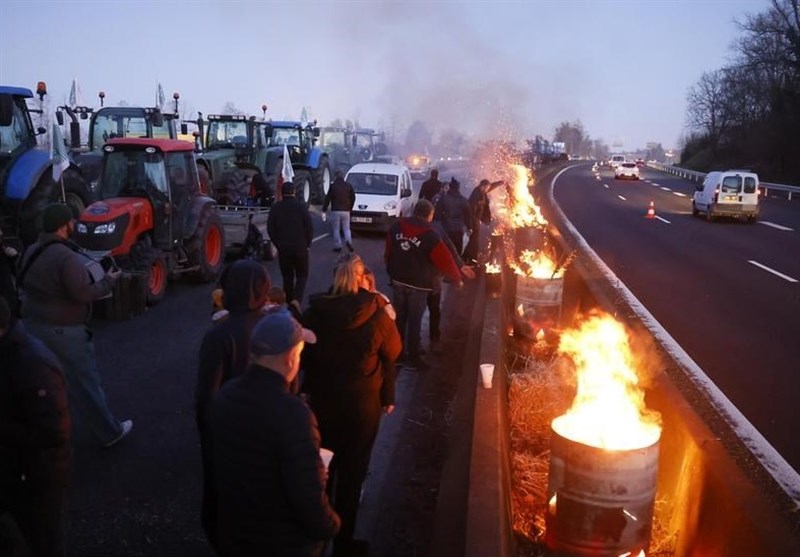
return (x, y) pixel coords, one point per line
(453, 212)
(267, 468)
(431, 188)
(289, 228)
(341, 197)
(481, 214)
(34, 441)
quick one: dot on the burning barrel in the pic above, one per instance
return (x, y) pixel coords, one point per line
(601, 501)
(603, 450)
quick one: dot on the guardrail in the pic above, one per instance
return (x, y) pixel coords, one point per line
(699, 176)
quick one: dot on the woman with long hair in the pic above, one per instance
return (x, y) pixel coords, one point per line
(349, 381)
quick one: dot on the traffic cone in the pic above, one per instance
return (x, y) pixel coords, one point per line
(651, 211)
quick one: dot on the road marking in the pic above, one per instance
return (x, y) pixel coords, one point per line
(662, 219)
(605, 186)
(778, 226)
(666, 189)
(597, 177)
(320, 237)
(656, 185)
(622, 198)
(679, 194)
(773, 271)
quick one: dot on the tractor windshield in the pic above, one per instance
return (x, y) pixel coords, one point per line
(285, 136)
(132, 171)
(109, 126)
(18, 131)
(364, 140)
(226, 134)
(330, 138)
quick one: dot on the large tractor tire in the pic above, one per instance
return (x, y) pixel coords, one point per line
(321, 177)
(207, 247)
(152, 263)
(302, 186)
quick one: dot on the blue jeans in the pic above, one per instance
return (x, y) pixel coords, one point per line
(410, 305)
(340, 222)
(92, 421)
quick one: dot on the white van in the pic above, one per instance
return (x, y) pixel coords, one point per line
(616, 160)
(733, 193)
(384, 192)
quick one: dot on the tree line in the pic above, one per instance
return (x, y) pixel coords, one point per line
(747, 114)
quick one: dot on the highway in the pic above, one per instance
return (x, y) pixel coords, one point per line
(727, 291)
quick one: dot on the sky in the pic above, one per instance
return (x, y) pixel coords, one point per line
(511, 69)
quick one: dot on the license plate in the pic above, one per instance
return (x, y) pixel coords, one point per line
(365, 220)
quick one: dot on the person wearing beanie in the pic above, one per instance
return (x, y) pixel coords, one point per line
(453, 212)
(225, 354)
(290, 230)
(58, 291)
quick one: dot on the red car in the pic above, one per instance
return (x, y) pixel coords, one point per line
(640, 163)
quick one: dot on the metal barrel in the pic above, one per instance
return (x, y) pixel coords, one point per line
(601, 501)
(540, 292)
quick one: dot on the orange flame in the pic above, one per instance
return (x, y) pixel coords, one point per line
(608, 411)
(536, 264)
(519, 208)
(492, 268)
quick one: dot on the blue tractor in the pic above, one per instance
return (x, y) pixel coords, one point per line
(310, 164)
(26, 177)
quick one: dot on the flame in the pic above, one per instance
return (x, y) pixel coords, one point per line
(492, 268)
(540, 335)
(524, 211)
(536, 264)
(608, 411)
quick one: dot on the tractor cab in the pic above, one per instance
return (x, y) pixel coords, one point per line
(298, 139)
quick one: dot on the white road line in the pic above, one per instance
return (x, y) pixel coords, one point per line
(320, 237)
(662, 219)
(606, 186)
(656, 185)
(597, 177)
(773, 271)
(679, 194)
(622, 198)
(666, 189)
(778, 226)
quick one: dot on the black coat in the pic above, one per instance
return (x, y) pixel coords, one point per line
(289, 226)
(268, 473)
(431, 190)
(34, 414)
(340, 197)
(454, 212)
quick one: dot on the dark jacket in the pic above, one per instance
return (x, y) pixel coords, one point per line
(340, 197)
(268, 473)
(34, 415)
(57, 287)
(431, 190)
(453, 212)
(354, 356)
(289, 225)
(415, 253)
(8, 287)
(479, 207)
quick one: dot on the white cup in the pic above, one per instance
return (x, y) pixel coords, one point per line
(487, 371)
(326, 455)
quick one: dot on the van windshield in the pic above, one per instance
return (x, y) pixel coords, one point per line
(731, 184)
(374, 184)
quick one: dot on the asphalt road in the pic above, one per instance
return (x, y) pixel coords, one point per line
(727, 291)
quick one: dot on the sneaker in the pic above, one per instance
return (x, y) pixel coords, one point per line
(127, 426)
(350, 247)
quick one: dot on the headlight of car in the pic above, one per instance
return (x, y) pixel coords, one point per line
(81, 228)
(390, 206)
(106, 228)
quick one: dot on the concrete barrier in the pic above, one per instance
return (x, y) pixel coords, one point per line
(715, 497)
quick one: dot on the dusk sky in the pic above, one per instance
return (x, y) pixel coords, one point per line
(516, 68)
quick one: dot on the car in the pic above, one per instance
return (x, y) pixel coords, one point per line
(733, 193)
(640, 163)
(419, 165)
(626, 170)
(616, 160)
(384, 193)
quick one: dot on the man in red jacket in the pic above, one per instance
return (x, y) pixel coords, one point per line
(414, 254)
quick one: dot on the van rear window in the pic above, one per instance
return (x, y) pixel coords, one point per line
(749, 184)
(731, 184)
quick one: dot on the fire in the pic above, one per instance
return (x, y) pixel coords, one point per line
(608, 411)
(536, 264)
(492, 268)
(523, 209)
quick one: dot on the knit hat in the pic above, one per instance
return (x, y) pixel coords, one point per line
(55, 216)
(277, 332)
(288, 189)
(454, 184)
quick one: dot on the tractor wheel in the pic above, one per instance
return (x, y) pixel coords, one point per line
(302, 186)
(322, 181)
(207, 247)
(156, 275)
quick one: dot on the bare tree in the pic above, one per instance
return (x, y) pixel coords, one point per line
(231, 108)
(706, 110)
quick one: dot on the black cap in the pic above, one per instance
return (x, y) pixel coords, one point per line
(55, 216)
(288, 189)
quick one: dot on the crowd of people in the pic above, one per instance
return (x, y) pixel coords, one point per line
(274, 384)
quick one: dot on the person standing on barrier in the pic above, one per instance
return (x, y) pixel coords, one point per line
(34, 442)
(290, 229)
(414, 254)
(57, 295)
(341, 198)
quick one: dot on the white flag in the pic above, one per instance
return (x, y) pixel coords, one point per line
(287, 172)
(58, 154)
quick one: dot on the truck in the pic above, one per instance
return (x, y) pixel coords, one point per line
(151, 217)
(26, 170)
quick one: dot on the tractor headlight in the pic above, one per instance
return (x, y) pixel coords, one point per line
(81, 228)
(106, 228)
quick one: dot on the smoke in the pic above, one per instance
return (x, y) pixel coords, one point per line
(437, 69)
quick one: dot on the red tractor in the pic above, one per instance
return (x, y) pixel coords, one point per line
(151, 217)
